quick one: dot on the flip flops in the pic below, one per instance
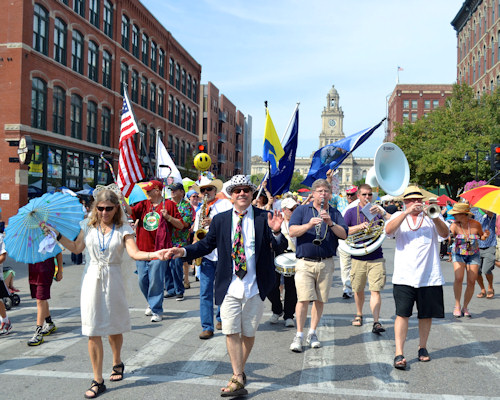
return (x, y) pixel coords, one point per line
(423, 355)
(491, 294)
(400, 362)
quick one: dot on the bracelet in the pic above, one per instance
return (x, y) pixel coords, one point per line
(59, 236)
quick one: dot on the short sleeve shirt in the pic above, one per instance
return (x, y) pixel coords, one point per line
(354, 216)
(180, 237)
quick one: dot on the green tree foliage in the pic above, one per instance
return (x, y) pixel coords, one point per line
(295, 184)
(435, 145)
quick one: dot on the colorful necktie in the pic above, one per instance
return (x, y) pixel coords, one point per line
(240, 260)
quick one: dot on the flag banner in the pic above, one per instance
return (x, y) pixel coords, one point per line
(400, 69)
(129, 164)
(334, 154)
(282, 177)
(163, 162)
(272, 145)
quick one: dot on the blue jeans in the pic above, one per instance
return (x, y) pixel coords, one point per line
(207, 276)
(174, 276)
(151, 279)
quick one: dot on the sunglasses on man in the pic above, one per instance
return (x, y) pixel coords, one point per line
(206, 189)
(107, 208)
(243, 189)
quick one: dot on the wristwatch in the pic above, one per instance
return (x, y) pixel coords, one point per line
(332, 225)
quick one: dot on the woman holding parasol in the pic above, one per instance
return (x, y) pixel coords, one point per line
(104, 309)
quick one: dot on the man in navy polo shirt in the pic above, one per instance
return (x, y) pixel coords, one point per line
(317, 227)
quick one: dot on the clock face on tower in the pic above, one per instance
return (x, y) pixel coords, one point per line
(332, 122)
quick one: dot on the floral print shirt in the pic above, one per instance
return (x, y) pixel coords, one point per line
(180, 237)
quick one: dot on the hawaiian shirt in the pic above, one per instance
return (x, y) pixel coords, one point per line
(180, 237)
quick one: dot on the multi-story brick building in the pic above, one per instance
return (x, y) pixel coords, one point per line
(63, 68)
(225, 131)
(478, 44)
(413, 101)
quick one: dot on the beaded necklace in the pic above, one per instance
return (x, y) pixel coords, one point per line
(102, 246)
(418, 225)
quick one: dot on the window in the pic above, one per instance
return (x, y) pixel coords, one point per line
(406, 103)
(405, 116)
(123, 77)
(161, 101)
(413, 117)
(152, 97)
(94, 10)
(189, 86)
(170, 108)
(177, 76)
(92, 122)
(77, 52)
(105, 126)
(93, 61)
(145, 48)
(125, 32)
(153, 56)
(107, 19)
(427, 104)
(484, 59)
(152, 141)
(435, 103)
(478, 65)
(183, 115)
(183, 152)
(498, 38)
(177, 150)
(183, 81)
(40, 29)
(188, 119)
(135, 86)
(171, 70)
(161, 63)
(144, 92)
(76, 116)
(38, 104)
(193, 124)
(59, 110)
(176, 111)
(135, 41)
(195, 91)
(60, 37)
(492, 52)
(106, 69)
(79, 7)
(414, 104)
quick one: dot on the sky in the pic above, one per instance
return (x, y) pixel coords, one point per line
(294, 51)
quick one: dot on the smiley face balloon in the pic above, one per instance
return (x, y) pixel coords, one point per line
(202, 161)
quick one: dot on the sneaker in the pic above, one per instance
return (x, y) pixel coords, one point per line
(289, 323)
(275, 318)
(148, 312)
(296, 345)
(48, 328)
(168, 295)
(156, 318)
(5, 328)
(312, 340)
(36, 340)
(347, 296)
(218, 325)
(179, 297)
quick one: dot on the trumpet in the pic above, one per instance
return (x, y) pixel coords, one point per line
(317, 240)
(432, 211)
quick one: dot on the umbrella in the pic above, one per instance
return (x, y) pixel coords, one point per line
(303, 190)
(186, 182)
(137, 194)
(24, 234)
(443, 199)
(486, 197)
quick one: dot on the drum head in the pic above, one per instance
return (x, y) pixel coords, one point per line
(285, 260)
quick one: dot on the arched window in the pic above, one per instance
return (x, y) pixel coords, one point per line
(161, 102)
(40, 29)
(38, 104)
(145, 48)
(176, 111)
(152, 97)
(171, 108)
(144, 92)
(79, 7)
(94, 11)
(59, 110)
(60, 39)
(107, 18)
(125, 32)
(93, 61)
(492, 51)
(105, 126)
(77, 52)
(92, 122)
(183, 115)
(135, 41)
(123, 77)
(135, 86)
(154, 48)
(76, 116)
(106, 69)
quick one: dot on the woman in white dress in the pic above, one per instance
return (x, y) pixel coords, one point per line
(104, 308)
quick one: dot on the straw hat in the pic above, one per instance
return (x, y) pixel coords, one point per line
(204, 181)
(412, 192)
(460, 208)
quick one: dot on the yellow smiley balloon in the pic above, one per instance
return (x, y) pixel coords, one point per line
(202, 161)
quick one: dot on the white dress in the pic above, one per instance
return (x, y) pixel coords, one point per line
(103, 302)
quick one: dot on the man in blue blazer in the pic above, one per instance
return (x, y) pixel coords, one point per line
(245, 237)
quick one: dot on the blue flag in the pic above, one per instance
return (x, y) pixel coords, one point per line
(334, 154)
(281, 178)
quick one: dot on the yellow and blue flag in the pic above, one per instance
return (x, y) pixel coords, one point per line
(273, 150)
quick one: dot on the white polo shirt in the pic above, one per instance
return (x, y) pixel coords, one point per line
(416, 259)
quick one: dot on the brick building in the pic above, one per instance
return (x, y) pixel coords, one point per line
(413, 101)
(63, 68)
(225, 131)
(478, 44)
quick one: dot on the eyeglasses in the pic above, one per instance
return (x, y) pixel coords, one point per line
(206, 189)
(108, 208)
(351, 194)
(366, 194)
(243, 189)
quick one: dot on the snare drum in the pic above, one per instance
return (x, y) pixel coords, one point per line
(285, 264)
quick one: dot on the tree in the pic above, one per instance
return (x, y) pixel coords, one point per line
(295, 184)
(435, 145)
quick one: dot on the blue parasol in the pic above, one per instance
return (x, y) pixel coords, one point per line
(136, 195)
(24, 233)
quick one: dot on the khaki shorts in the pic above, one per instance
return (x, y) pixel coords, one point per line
(241, 315)
(371, 270)
(313, 279)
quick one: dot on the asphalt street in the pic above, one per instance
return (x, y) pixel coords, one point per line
(167, 360)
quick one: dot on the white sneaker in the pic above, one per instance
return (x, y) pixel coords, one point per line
(289, 323)
(156, 318)
(296, 345)
(275, 318)
(312, 340)
(148, 312)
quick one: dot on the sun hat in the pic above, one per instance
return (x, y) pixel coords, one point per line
(240, 180)
(204, 182)
(460, 208)
(412, 192)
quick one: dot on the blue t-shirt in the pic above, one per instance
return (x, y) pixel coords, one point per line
(351, 219)
(305, 247)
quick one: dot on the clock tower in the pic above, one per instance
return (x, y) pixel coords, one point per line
(332, 119)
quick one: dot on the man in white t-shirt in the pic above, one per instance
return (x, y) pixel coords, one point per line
(417, 276)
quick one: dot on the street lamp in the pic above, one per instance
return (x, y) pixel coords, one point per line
(486, 158)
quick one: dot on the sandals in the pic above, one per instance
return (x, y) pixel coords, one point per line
(491, 294)
(118, 370)
(236, 388)
(423, 355)
(480, 295)
(457, 313)
(377, 328)
(100, 388)
(400, 362)
(466, 313)
(357, 321)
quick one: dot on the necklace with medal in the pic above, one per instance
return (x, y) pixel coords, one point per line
(104, 245)
(151, 220)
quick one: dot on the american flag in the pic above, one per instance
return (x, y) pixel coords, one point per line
(400, 69)
(129, 165)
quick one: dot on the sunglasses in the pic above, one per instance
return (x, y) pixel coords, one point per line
(351, 194)
(367, 194)
(244, 190)
(208, 189)
(107, 208)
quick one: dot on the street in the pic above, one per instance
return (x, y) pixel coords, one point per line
(167, 360)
